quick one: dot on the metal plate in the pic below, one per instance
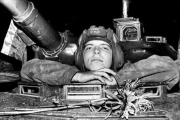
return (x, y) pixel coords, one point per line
(83, 91)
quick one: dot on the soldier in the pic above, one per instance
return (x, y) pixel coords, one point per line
(97, 60)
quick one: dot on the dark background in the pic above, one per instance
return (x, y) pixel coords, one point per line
(159, 17)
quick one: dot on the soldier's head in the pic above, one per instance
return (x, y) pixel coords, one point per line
(98, 49)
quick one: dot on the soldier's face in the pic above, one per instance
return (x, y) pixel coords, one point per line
(97, 54)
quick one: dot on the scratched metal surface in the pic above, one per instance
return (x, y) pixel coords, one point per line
(8, 101)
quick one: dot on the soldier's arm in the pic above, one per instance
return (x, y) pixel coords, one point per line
(47, 71)
(103, 75)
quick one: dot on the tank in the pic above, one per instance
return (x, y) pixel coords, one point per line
(54, 45)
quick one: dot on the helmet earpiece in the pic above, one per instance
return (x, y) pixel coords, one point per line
(79, 62)
(118, 55)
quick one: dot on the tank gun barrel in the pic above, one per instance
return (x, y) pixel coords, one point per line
(30, 20)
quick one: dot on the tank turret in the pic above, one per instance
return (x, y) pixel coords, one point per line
(50, 43)
(135, 45)
(61, 46)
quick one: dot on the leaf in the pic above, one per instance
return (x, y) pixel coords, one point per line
(131, 111)
(125, 114)
(134, 84)
(111, 95)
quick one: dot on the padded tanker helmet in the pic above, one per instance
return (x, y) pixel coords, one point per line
(99, 33)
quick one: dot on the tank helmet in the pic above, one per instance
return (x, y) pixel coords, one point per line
(99, 33)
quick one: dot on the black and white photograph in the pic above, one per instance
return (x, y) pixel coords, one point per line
(90, 60)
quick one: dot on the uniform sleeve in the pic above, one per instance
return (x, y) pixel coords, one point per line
(153, 69)
(47, 71)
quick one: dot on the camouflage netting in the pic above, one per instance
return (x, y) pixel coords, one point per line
(9, 74)
(5, 66)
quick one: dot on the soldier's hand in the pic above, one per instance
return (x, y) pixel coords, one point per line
(107, 82)
(113, 82)
(103, 75)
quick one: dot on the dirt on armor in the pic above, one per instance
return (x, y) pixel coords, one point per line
(9, 101)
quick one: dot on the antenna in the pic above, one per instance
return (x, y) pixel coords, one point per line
(125, 4)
